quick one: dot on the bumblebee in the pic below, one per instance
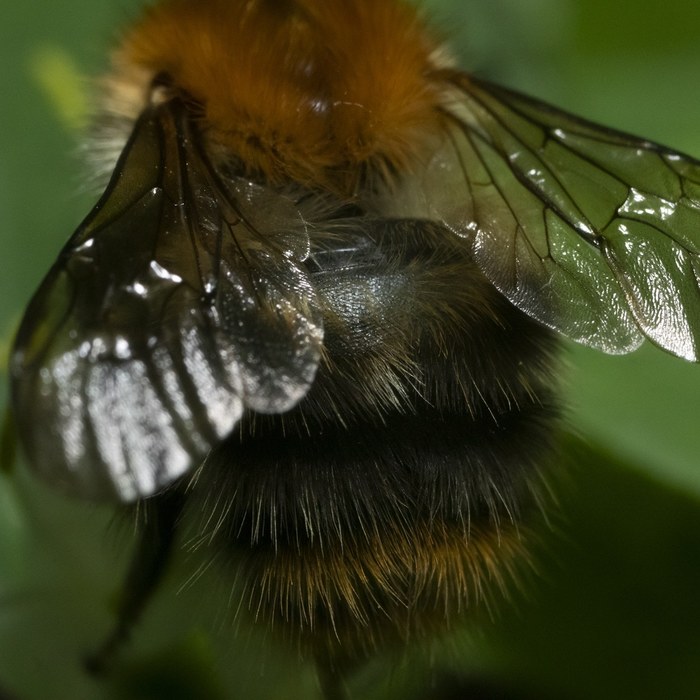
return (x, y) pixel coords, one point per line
(315, 313)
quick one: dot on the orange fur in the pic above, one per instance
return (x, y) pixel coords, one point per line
(390, 589)
(321, 93)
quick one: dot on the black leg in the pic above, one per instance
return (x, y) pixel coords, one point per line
(148, 565)
(331, 680)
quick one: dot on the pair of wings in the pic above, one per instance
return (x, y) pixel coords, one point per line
(593, 232)
(180, 301)
(183, 298)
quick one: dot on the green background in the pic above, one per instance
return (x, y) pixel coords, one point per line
(614, 611)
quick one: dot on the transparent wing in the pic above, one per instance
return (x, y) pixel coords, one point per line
(593, 232)
(178, 302)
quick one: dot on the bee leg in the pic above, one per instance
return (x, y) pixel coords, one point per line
(8, 444)
(148, 565)
(331, 680)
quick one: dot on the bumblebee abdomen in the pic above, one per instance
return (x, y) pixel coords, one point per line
(401, 479)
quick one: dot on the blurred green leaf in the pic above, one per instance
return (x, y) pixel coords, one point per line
(614, 615)
(182, 672)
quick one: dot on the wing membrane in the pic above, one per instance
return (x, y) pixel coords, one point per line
(179, 302)
(594, 232)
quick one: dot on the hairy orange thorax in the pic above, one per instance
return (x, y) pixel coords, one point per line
(316, 92)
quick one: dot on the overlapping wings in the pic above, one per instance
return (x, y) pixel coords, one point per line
(183, 299)
(591, 231)
(180, 301)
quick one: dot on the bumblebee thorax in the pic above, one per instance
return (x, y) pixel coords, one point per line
(312, 92)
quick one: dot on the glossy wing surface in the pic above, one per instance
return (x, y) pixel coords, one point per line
(179, 302)
(594, 232)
